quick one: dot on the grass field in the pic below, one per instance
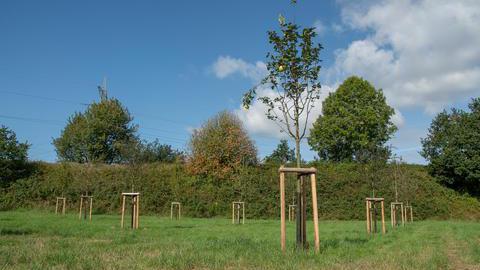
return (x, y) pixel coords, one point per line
(40, 240)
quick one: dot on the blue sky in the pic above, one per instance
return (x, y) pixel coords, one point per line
(176, 63)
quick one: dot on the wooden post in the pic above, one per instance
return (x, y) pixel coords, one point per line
(383, 217)
(282, 211)
(315, 212)
(403, 217)
(367, 206)
(137, 212)
(304, 213)
(123, 210)
(291, 212)
(81, 204)
(179, 207)
(391, 214)
(394, 211)
(411, 213)
(134, 205)
(64, 203)
(91, 203)
(56, 206)
(233, 212)
(243, 213)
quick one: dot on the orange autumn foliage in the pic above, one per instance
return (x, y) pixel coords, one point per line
(221, 146)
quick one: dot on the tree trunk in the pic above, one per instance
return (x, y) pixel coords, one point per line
(301, 198)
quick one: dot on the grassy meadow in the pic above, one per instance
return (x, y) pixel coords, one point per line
(41, 240)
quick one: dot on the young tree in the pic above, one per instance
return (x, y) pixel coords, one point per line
(452, 147)
(293, 71)
(104, 133)
(355, 125)
(13, 157)
(293, 74)
(220, 146)
(282, 154)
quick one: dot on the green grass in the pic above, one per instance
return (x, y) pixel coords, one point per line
(40, 240)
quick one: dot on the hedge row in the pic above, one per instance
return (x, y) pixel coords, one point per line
(342, 189)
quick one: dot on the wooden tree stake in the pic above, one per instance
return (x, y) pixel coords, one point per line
(179, 212)
(236, 206)
(89, 200)
(135, 209)
(300, 172)
(64, 202)
(393, 213)
(369, 204)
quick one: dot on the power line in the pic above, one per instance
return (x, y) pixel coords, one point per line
(45, 98)
(35, 120)
(140, 115)
(176, 122)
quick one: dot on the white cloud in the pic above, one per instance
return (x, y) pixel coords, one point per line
(398, 119)
(422, 53)
(254, 118)
(320, 28)
(257, 123)
(226, 66)
(337, 28)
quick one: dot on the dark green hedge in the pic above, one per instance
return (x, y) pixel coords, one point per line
(342, 189)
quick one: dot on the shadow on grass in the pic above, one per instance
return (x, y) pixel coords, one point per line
(181, 227)
(16, 231)
(335, 243)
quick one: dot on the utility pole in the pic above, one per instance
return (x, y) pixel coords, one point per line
(102, 90)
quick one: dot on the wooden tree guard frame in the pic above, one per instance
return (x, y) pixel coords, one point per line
(64, 200)
(135, 208)
(371, 217)
(393, 213)
(291, 212)
(236, 206)
(300, 172)
(179, 212)
(406, 208)
(90, 203)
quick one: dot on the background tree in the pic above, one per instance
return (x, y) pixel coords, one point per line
(355, 125)
(103, 133)
(453, 148)
(13, 157)
(220, 146)
(157, 152)
(282, 154)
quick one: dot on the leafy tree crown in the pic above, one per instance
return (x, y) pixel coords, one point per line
(355, 124)
(453, 150)
(221, 146)
(103, 133)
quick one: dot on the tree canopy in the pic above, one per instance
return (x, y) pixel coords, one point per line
(282, 154)
(293, 74)
(355, 124)
(452, 148)
(13, 156)
(156, 152)
(220, 146)
(103, 133)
